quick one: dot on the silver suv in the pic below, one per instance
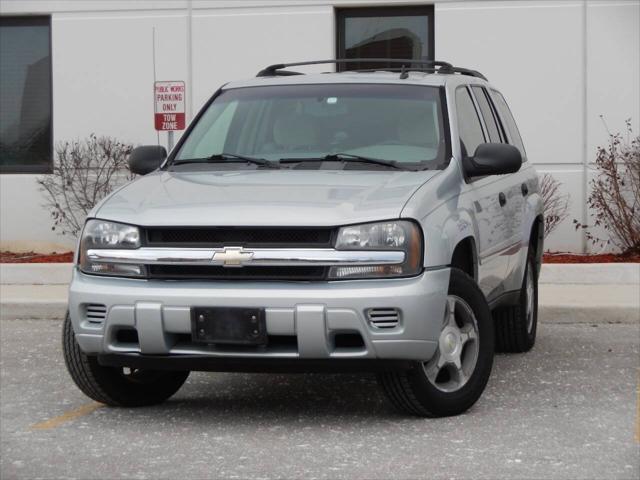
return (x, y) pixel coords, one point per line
(382, 221)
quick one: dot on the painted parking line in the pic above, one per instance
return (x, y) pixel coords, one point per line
(67, 416)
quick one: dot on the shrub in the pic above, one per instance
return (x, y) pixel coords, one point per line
(556, 205)
(84, 172)
(615, 193)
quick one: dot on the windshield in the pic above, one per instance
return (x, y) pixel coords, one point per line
(354, 123)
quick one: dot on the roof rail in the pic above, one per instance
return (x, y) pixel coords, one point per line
(433, 66)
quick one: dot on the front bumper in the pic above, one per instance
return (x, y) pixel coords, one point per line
(310, 314)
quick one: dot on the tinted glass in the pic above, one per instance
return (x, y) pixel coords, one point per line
(469, 125)
(487, 114)
(386, 122)
(384, 33)
(25, 94)
(509, 122)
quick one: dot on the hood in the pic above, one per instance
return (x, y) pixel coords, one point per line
(263, 197)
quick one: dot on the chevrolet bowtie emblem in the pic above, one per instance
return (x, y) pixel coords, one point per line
(232, 256)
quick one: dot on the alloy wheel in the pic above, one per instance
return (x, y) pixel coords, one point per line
(458, 346)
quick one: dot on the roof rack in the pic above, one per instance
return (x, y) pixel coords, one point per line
(406, 65)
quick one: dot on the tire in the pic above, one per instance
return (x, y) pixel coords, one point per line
(416, 392)
(516, 326)
(111, 385)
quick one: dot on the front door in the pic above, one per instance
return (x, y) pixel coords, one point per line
(488, 200)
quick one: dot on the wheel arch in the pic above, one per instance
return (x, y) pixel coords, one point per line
(449, 228)
(465, 257)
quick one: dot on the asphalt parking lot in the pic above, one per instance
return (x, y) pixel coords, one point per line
(568, 409)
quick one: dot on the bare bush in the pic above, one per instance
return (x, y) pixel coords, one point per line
(84, 172)
(556, 204)
(615, 193)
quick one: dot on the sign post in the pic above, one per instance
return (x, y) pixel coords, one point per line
(169, 111)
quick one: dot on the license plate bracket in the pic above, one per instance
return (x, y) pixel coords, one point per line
(228, 325)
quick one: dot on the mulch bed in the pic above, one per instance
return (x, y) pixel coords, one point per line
(67, 257)
(600, 258)
(32, 257)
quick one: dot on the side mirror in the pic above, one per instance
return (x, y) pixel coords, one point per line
(493, 159)
(145, 159)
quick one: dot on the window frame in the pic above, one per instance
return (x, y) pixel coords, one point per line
(492, 109)
(342, 13)
(31, 20)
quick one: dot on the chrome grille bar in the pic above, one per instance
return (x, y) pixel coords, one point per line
(239, 257)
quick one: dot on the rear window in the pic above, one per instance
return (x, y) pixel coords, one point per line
(509, 122)
(388, 122)
(487, 114)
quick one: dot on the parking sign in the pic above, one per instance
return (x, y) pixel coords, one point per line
(169, 113)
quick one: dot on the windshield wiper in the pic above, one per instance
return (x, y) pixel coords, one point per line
(228, 158)
(346, 158)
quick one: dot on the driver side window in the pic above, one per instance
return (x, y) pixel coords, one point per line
(469, 126)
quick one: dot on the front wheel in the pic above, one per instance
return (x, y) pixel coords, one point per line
(121, 387)
(453, 380)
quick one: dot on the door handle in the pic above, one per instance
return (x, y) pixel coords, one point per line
(502, 199)
(525, 189)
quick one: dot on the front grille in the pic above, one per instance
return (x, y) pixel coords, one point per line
(244, 236)
(384, 318)
(206, 272)
(95, 313)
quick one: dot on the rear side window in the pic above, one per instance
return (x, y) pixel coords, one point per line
(487, 114)
(509, 122)
(469, 126)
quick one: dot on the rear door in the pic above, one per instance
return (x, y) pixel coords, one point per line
(513, 207)
(520, 185)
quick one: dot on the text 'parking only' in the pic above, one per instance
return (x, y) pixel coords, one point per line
(169, 106)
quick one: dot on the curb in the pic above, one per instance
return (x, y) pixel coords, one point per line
(33, 301)
(569, 293)
(590, 273)
(549, 314)
(33, 310)
(553, 314)
(568, 314)
(54, 306)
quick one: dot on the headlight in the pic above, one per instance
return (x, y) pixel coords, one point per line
(400, 235)
(101, 234)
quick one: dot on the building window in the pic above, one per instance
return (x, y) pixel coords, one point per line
(387, 32)
(25, 95)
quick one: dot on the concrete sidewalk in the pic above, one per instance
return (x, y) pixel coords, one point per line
(568, 293)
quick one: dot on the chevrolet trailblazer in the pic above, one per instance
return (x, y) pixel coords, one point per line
(383, 221)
